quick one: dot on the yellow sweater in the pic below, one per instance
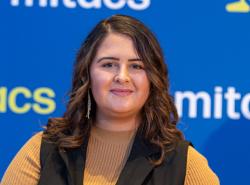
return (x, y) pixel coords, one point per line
(101, 168)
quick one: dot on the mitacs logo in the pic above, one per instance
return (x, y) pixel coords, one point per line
(240, 6)
(86, 4)
(236, 104)
(21, 100)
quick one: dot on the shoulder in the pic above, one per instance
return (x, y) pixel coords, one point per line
(25, 167)
(198, 170)
(29, 154)
(32, 147)
(35, 140)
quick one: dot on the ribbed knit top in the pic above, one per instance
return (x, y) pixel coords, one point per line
(106, 155)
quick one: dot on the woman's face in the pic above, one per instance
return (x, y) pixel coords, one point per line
(119, 82)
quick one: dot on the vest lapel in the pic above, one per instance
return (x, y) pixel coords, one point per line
(138, 166)
(74, 160)
(135, 171)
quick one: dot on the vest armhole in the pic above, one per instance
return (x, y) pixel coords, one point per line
(182, 152)
(45, 150)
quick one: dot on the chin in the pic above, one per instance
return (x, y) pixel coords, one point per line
(122, 110)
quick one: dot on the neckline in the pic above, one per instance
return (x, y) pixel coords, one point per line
(112, 137)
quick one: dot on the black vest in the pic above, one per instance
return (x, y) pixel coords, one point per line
(67, 167)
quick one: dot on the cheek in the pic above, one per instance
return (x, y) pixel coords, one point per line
(143, 85)
(99, 83)
(96, 84)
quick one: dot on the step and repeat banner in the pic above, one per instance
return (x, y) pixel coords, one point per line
(206, 46)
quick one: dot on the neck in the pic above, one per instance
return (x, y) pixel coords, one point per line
(117, 123)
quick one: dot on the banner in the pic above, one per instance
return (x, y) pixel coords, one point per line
(206, 47)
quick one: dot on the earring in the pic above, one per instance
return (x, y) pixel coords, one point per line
(89, 105)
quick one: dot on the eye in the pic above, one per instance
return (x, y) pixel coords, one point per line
(137, 66)
(107, 65)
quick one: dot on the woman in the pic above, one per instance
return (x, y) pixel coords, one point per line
(120, 122)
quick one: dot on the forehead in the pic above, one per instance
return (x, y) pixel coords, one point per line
(116, 44)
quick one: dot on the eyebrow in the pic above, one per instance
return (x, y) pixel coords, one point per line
(117, 59)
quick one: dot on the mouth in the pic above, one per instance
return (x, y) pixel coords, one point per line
(121, 92)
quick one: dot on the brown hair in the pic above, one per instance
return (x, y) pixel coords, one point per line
(159, 115)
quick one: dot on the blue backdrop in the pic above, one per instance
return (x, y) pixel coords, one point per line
(206, 45)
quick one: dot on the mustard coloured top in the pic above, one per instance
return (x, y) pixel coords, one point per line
(107, 153)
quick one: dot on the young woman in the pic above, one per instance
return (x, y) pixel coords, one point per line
(120, 123)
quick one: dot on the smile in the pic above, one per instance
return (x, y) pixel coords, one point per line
(121, 92)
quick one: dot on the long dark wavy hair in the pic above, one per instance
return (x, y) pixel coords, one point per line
(159, 114)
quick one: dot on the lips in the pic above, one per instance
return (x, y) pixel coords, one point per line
(121, 92)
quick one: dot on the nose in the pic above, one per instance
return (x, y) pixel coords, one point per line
(122, 75)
